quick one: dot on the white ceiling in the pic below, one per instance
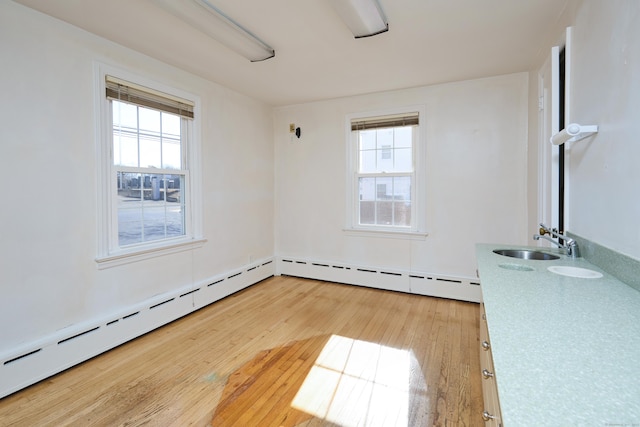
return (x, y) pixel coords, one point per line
(428, 42)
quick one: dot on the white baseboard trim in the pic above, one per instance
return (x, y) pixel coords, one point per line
(414, 282)
(40, 359)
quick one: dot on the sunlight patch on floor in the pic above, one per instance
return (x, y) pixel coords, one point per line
(356, 383)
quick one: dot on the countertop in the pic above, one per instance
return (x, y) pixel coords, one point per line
(566, 350)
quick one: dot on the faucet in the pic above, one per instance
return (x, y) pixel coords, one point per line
(569, 244)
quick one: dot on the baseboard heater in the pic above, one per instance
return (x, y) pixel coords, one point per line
(414, 282)
(37, 360)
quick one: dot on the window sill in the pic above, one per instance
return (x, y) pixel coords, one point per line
(391, 234)
(129, 256)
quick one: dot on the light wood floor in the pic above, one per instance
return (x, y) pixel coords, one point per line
(285, 352)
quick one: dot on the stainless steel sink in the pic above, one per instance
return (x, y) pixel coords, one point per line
(526, 254)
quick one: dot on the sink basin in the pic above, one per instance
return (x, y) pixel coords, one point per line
(526, 254)
(583, 273)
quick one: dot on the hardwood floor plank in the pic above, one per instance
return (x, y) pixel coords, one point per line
(284, 352)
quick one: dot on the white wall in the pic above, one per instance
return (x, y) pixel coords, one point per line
(49, 279)
(604, 172)
(476, 188)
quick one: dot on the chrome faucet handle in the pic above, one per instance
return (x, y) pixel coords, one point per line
(572, 249)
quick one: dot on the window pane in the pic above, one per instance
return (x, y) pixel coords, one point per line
(368, 161)
(125, 130)
(171, 150)
(171, 125)
(384, 138)
(154, 222)
(403, 137)
(125, 115)
(367, 198)
(384, 213)
(171, 153)
(402, 214)
(403, 161)
(175, 220)
(129, 209)
(128, 187)
(149, 120)
(385, 159)
(125, 148)
(367, 139)
(152, 190)
(384, 188)
(367, 189)
(367, 212)
(150, 152)
(402, 188)
(172, 185)
(129, 227)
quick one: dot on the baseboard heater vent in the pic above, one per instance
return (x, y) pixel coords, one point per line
(390, 273)
(78, 335)
(22, 356)
(415, 282)
(440, 279)
(189, 293)
(159, 304)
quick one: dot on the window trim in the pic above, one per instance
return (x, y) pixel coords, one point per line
(418, 228)
(107, 256)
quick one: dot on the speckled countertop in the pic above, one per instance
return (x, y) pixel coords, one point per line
(566, 350)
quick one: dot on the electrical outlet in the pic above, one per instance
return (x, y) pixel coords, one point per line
(292, 127)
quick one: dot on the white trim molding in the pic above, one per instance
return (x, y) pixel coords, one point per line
(399, 280)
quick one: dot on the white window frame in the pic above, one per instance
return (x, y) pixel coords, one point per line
(109, 254)
(417, 230)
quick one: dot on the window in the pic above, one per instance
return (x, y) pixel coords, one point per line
(147, 195)
(385, 159)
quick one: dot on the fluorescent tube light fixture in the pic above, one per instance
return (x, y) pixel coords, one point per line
(364, 18)
(207, 18)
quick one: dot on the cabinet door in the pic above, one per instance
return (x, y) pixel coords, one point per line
(491, 411)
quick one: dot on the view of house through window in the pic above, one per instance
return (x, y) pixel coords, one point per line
(150, 174)
(385, 172)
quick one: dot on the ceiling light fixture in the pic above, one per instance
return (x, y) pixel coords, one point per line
(210, 20)
(364, 18)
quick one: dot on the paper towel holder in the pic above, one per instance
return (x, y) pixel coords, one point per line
(573, 132)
